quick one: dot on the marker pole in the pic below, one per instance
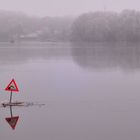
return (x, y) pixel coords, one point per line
(11, 97)
(11, 111)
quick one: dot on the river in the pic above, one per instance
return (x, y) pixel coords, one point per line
(77, 91)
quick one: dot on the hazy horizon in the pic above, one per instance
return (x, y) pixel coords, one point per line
(66, 7)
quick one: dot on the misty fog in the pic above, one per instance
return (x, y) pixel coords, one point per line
(80, 59)
(97, 26)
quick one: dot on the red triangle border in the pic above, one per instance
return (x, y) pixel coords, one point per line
(7, 88)
(12, 126)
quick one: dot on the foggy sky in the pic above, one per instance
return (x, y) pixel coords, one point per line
(66, 7)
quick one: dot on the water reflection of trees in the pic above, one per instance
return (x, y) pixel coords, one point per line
(24, 52)
(107, 55)
(87, 55)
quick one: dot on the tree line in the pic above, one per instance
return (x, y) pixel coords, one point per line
(93, 26)
(107, 26)
(16, 26)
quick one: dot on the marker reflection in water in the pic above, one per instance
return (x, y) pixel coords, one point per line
(12, 120)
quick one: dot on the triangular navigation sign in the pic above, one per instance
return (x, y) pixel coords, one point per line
(12, 86)
(12, 121)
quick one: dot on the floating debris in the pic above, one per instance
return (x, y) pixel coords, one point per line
(21, 104)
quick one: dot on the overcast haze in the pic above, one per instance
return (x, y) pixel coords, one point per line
(66, 7)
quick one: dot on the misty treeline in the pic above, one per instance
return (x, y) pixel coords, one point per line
(93, 26)
(107, 26)
(18, 26)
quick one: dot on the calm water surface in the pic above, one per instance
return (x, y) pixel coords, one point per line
(90, 91)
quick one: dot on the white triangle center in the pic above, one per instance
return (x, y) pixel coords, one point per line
(12, 86)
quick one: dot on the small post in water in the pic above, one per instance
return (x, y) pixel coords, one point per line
(11, 111)
(11, 97)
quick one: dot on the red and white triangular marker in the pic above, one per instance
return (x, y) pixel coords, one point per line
(12, 86)
(12, 121)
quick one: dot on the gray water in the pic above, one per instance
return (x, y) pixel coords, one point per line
(90, 91)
